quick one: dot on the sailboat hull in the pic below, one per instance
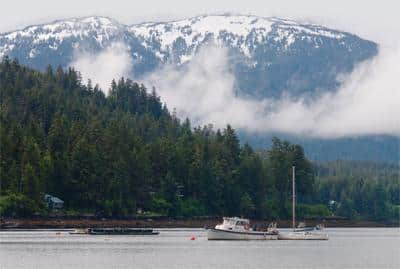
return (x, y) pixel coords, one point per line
(303, 236)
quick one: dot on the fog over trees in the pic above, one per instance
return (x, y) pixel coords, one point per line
(113, 155)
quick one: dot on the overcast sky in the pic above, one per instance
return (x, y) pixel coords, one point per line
(376, 20)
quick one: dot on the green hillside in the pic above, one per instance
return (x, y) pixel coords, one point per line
(125, 153)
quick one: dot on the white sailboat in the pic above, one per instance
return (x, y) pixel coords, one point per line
(314, 233)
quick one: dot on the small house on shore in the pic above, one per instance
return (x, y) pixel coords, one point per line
(53, 202)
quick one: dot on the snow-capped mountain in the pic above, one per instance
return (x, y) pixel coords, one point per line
(99, 28)
(271, 55)
(55, 43)
(245, 33)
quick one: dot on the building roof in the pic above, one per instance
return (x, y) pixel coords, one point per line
(53, 199)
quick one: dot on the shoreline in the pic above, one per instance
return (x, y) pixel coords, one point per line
(62, 223)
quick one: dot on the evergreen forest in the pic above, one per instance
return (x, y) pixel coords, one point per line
(125, 154)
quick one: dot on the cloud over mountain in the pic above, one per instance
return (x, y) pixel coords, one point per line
(262, 75)
(111, 63)
(204, 91)
(267, 55)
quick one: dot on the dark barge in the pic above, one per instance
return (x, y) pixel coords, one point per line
(116, 231)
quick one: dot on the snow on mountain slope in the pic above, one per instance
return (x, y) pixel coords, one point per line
(242, 32)
(196, 30)
(100, 29)
(267, 55)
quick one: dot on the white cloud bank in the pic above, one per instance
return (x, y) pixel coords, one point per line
(111, 63)
(203, 91)
(368, 103)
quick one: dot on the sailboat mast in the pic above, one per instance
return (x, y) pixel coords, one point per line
(293, 200)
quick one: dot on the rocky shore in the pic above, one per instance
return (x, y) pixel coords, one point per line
(65, 223)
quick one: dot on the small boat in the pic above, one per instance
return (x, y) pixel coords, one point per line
(239, 229)
(8, 225)
(115, 231)
(79, 231)
(122, 231)
(302, 232)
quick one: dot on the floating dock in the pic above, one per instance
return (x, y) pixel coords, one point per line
(122, 231)
(115, 231)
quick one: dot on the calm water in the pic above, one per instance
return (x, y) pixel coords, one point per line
(347, 248)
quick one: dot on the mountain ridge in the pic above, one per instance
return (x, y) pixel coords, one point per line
(268, 60)
(262, 47)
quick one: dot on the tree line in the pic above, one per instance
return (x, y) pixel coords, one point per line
(359, 189)
(122, 153)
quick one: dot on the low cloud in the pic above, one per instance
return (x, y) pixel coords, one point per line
(366, 104)
(204, 91)
(113, 62)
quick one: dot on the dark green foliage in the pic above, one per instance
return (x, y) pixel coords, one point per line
(281, 158)
(312, 211)
(124, 153)
(119, 154)
(191, 207)
(361, 189)
(19, 205)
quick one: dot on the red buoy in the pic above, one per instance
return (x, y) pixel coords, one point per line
(192, 238)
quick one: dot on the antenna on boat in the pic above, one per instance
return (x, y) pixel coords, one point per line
(293, 199)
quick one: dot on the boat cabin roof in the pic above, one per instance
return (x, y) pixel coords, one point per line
(236, 220)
